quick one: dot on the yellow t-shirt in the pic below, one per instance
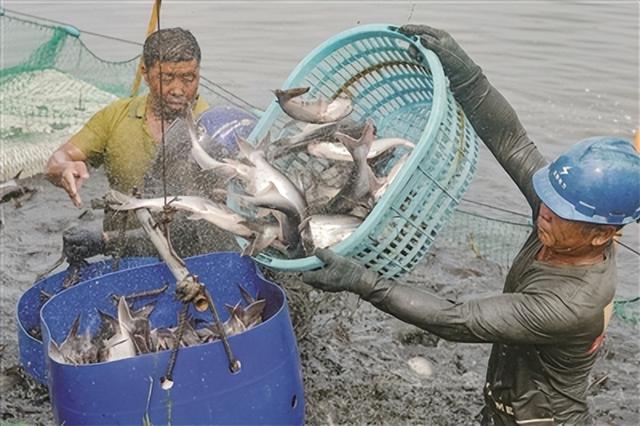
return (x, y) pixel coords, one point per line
(117, 136)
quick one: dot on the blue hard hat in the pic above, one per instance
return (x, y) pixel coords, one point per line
(223, 124)
(596, 181)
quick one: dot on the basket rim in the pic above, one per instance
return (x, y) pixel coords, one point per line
(439, 104)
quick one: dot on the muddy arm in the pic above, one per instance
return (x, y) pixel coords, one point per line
(514, 318)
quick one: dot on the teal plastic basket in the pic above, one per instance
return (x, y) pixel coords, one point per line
(407, 96)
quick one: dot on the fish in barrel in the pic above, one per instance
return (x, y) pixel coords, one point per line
(130, 332)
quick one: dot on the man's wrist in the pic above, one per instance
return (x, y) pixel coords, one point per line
(366, 284)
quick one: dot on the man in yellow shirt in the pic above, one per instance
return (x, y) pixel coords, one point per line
(126, 135)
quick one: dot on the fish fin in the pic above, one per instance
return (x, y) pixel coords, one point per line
(105, 316)
(261, 242)
(355, 147)
(350, 143)
(116, 197)
(253, 313)
(229, 308)
(368, 135)
(242, 201)
(145, 311)
(264, 142)
(17, 176)
(246, 149)
(245, 294)
(125, 319)
(55, 353)
(248, 249)
(286, 94)
(74, 327)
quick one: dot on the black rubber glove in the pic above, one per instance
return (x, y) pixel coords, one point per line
(457, 65)
(79, 244)
(341, 274)
(409, 304)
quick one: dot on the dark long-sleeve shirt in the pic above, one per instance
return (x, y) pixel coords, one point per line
(547, 325)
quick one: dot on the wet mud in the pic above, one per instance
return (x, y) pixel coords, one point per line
(359, 364)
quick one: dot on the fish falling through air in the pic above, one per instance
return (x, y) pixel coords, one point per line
(309, 188)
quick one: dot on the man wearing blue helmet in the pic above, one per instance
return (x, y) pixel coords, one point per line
(548, 325)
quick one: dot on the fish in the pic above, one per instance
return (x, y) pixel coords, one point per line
(75, 349)
(339, 152)
(317, 111)
(297, 142)
(162, 339)
(130, 334)
(141, 329)
(228, 167)
(189, 335)
(259, 235)
(121, 344)
(361, 180)
(284, 212)
(322, 231)
(15, 190)
(266, 174)
(248, 297)
(393, 173)
(241, 319)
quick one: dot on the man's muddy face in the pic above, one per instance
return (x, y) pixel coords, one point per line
(563, 236)
(178, 89)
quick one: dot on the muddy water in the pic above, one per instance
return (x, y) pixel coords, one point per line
(570, 70)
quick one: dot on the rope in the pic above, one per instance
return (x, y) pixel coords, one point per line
(496, 208)
(164, 157)
(234, 363)
(182, 321)
(217, 88)
(79, 29)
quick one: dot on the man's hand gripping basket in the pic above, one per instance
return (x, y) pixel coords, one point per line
(397, 83)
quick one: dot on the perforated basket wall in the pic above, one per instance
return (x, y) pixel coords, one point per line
(407, 96)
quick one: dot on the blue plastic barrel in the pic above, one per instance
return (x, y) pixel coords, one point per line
(223, 124)
(267, 389)
(29, 304)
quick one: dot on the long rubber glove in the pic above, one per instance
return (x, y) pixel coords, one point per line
(403, 302)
